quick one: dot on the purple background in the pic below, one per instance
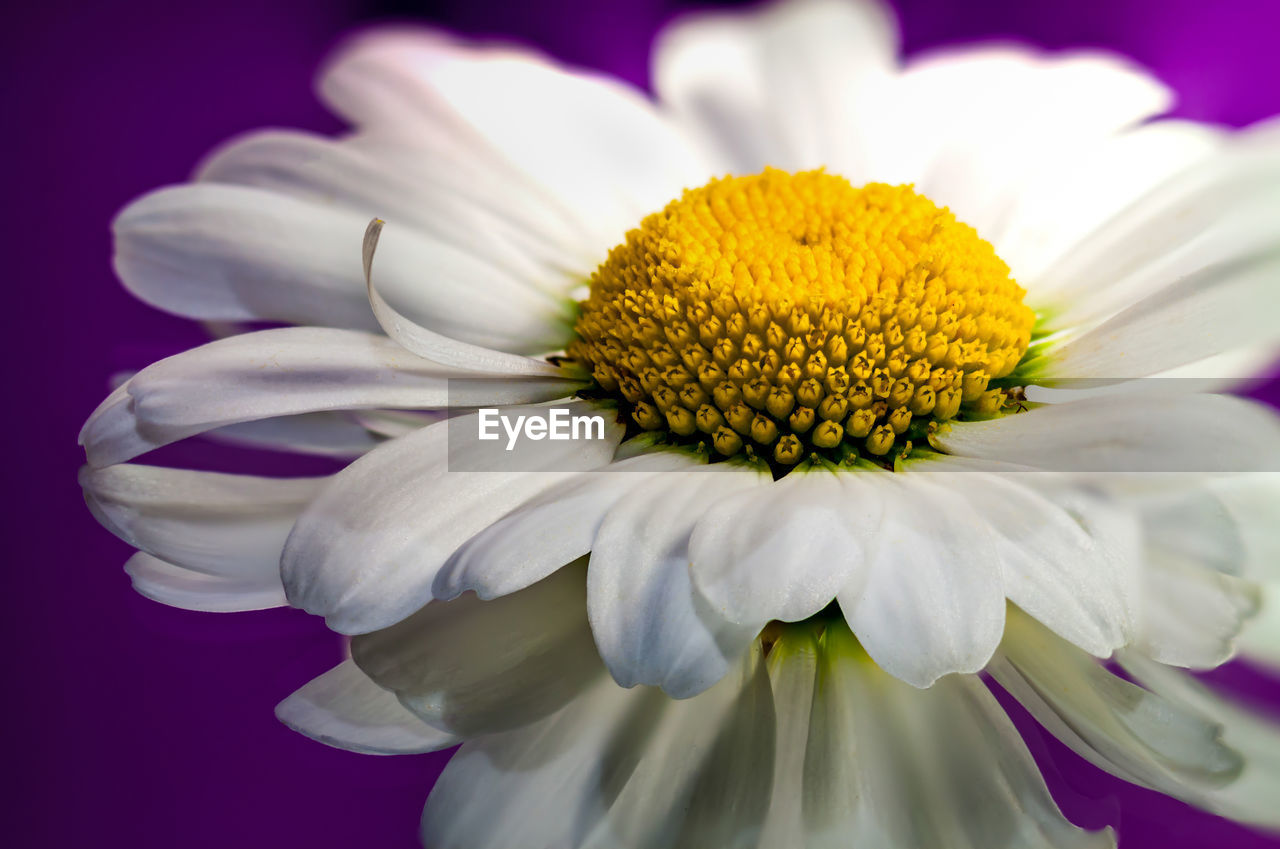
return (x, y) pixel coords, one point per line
(137, 725)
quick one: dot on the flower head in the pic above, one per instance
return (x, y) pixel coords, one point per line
(875, 352)
(780, 312)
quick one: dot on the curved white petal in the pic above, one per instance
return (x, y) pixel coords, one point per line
(285, 372)
(1213, 310)
(439, 347)
(403, 124)
(932, 602)
(1144, 433)
(1068, 557)
(617, 767)
(1207, 541)
(1188, 522)
(242, 253)
(971, 126)
(392, 423)
(343, 708)
(1252, 502)
(650, 625)
(1192, 615)
(234, 253)
(883, 765)
(704, 773)
(786, 85)
(1251, 797)
(110, 434)
(817, 748)
(188, 589)
(1216, 211)
(226, 526)
(839, 794)
(366, 552)
(549, 530)
(783, 551)
(329, 433)
(792, 665)
(599, 149)
(540, 787)
(412, 186)
(1237, 370)
(1061, 204)
(1260, 638)
(472, 667)
(209, 541)
(1116, 725)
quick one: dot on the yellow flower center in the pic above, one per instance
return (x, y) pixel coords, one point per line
(784, 315)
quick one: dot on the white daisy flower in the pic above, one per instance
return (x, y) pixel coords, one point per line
(874, 345)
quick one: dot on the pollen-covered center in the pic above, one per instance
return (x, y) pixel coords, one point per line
(786, 314)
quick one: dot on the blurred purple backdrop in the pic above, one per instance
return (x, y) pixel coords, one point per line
(137, 725)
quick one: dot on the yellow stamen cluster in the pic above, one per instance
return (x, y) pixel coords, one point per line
(786, 314)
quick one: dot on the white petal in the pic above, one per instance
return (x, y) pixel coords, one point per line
(229, 526)
(191, 590)
(703, 775)
(539, 787)
(473, 667)
(783, 551)
(393, 423)
(887, 765)
(840, 794)
(1146, 433)
(1116, 725)
(1260, 639)
(240, 253)
(1208, 542)
(989, 791)
(110, 434)
(792, 665)
(344, 709)
(596, 146)
(1192, 615)
(1213, 212)
(1239, 370)
(650, 625)
(1236, 371)
(1068, 557)
(479, 214)
(614, 768)
(217, 252)
(438, 347)
(783, 86)
(549, 530)
(280, 373)
(366, 552)
(330, 434)
(1188, 522)
(1252, 797)
(1253, 503)
(406, 127)
(932, 602)
(1180, 278)
(1214, 309)
(1059, 206)
(971, 126)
